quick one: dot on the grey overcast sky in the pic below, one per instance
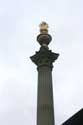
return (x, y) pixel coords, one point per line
(19, 20)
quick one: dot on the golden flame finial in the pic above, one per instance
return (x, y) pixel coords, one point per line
(43, 27)
(44, 38)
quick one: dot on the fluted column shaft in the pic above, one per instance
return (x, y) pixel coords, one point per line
(45, 110)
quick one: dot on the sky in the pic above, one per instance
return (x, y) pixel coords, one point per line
(19, 27)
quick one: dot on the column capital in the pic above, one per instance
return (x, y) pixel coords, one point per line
(44, 57)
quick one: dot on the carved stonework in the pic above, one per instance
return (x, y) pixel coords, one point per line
(44, 57)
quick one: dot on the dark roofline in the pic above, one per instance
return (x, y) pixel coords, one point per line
(76, 119)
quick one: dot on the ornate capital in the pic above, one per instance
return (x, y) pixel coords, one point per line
(44, 57)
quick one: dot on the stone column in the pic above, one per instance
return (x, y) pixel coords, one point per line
(44, 59)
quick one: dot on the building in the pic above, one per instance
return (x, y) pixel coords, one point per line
(76, 119)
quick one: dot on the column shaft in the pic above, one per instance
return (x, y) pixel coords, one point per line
(45, 109)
